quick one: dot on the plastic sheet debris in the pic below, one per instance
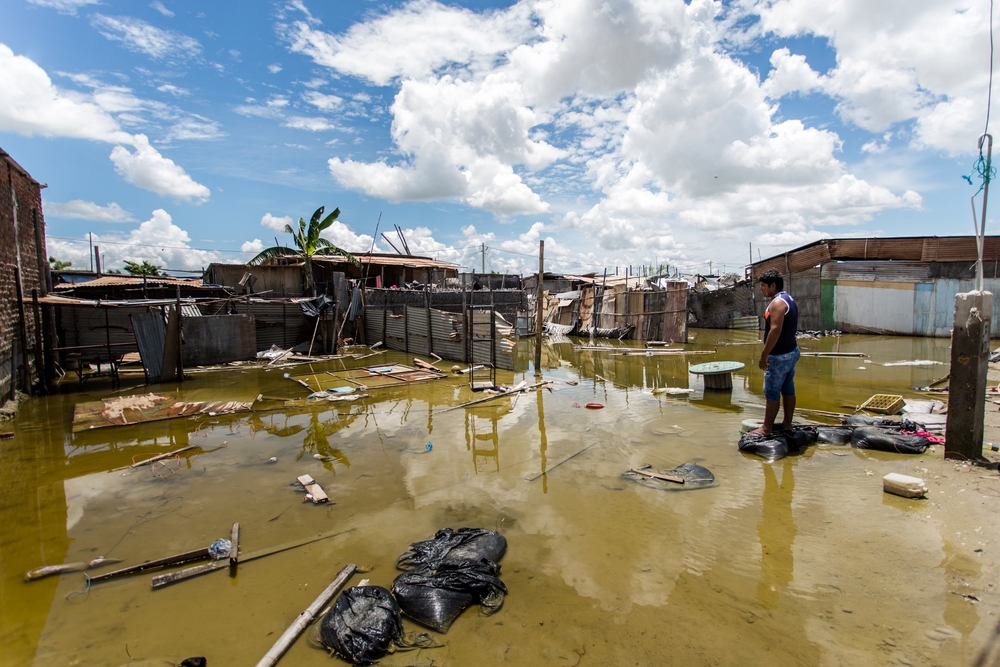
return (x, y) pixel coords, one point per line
(888, 440)
(435, 594)
(686, 476)
(779, 444)
(220, 549)
(362, 624)
(449, 544)
(672, 391)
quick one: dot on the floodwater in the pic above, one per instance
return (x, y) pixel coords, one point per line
(799, 562)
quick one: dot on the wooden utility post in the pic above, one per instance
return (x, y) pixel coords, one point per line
(538, 308)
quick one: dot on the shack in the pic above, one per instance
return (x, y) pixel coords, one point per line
(624, 307)
(901, 285)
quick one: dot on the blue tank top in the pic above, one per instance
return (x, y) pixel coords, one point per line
(786, 339)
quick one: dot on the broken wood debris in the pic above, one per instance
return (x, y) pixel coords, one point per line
(289, 636)
(158, 457)
(516, 390)
(177, 559)
(140, 409)
(656, 475)
(173, 577)
(314, 491)
(234, 549)
(834, 354)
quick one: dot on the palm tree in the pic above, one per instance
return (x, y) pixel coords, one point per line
(309, 243)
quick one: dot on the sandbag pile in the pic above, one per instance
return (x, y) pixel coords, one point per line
(448, 573)
(779, 444)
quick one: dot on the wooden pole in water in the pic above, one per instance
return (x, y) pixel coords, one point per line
(538, 308)
(305, 618)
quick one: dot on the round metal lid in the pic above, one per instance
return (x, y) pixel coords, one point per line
(713, 367)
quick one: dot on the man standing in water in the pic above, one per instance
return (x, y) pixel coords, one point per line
(781, 351)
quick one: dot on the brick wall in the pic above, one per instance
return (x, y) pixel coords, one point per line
(22, 245)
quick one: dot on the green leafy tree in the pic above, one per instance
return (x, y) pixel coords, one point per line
(308, 243)
(144, 269)
(58, 265)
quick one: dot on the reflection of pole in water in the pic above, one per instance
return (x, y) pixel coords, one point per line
(776, 532)
(543, 442)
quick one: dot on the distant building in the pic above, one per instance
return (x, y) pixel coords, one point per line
(23, 269)
(903, 286)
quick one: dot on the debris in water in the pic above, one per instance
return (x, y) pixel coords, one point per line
(684, 476)
(904, 485)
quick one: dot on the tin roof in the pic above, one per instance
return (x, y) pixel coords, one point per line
(896, 249)
(116, 280)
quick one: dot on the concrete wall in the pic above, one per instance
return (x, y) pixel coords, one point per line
(22, 246)
(218, 339)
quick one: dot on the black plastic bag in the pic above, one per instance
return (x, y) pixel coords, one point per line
(865, 420)
(461, 544)
(436, 593)
(315, 306)
(362, 624)
(779, 444)
(834, 435)
(888, 440)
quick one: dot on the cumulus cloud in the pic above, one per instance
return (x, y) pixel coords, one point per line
(922, 62)
(31, 105)
(148, 169)
(641, 104)
(157, 240)
(88, 210)
(141, 37)
(276, 223)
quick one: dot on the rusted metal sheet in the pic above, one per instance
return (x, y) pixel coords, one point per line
(150, 334)
(903, 272)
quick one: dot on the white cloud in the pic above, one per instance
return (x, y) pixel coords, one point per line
(157, 240)
(306, 123)
(141, 37)
(791, 74)
(147, 169)
(173, 90)
(274, 68)
(88, 210)
(64, 6)
(31, 105)
(251, 249)
(923, 62)
(276, 223)
(158, 6)
(321, 101)
(195, 128)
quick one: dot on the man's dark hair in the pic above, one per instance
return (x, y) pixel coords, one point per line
(772, 277)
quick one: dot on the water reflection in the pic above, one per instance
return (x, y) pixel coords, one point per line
(776, 532)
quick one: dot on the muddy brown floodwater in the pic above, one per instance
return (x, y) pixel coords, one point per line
(799, 562)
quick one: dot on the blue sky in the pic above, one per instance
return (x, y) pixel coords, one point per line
(619, 132)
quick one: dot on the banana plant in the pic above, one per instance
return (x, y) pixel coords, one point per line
(308, 243)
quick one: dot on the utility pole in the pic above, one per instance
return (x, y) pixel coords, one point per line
(709, 267)
(538, 308)
(483, 250)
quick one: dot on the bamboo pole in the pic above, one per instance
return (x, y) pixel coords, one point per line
(546, 472)
(305, 618)
(503, 393)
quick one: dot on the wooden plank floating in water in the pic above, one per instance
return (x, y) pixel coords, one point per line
(173, 577)
(833, 354)
(367, 379)
(177, 559)
(140, 409)
(656, 475)
(313, 489)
